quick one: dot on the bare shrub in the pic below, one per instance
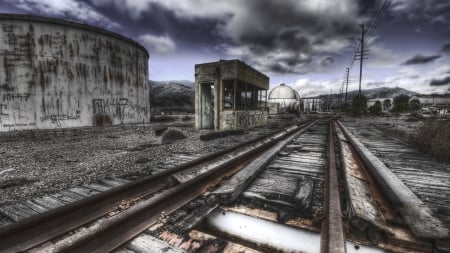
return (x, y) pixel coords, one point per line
(434, 137)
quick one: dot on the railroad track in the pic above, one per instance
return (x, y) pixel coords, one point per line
(158, 192)
(293, 191)
(309, 188)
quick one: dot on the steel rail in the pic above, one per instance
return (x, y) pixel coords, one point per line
(125, 226)
(37, 229)
(332, 232)
(414, 212)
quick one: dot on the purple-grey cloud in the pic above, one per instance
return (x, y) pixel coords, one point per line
(421, 59)
(440, 82)
(446, 48)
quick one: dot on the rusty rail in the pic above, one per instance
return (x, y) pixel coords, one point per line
(332, 232)
(35, 230)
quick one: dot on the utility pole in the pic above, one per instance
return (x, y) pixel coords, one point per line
(361, 56)
(346, 87)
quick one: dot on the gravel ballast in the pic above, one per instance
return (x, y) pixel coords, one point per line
(36, 163)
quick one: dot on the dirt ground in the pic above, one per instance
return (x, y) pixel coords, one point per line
(404, 123)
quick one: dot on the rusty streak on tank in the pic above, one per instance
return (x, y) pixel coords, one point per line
(56, 73)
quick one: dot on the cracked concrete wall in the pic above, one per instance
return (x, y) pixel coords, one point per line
(57, 73)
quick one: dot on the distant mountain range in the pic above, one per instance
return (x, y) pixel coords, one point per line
(382, 92)
(172, 95)
(178, 95)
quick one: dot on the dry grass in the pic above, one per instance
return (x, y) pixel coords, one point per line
(433, 136)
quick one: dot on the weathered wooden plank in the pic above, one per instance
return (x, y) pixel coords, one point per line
(17, 211)
(48, 202)
(97, 187)
(113, 182)
(257, 196)
(35, 207)
(238, 182)
(148, 244)
(83, 191)
(310, 160)
(312, 168)
(4, 220)
(64, 198)
(69, 195)
(303, 196)
(124, 250)
(298, 173)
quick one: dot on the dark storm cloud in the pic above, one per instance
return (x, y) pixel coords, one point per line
(435, 11)
(440, 82)
(446, 48)
(287, 36)
(131, 18)
(263, 32)
(68, 9)
(327, 61)
(290, 35)
(421, 59)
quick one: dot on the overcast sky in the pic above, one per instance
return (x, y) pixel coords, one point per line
(303, 43)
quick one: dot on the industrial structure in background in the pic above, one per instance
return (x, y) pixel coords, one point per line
(229, 95)
(285, 99)
(56, 73)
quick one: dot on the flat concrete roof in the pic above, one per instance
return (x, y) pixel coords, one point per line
(239, 70)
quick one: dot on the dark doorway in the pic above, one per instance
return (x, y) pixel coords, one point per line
(207, 105)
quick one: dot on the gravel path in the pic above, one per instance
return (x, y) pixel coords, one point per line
(37, 163)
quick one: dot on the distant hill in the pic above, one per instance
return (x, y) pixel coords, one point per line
(382, 92)
(172, 95)
(179, 95)
(385, 92)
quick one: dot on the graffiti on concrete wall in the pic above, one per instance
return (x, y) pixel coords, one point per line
(228, 121)
(57, 119)
(248, 119)
(65, 69)
(13, 110)
(11, 97)
(114, 107)
(3, 114)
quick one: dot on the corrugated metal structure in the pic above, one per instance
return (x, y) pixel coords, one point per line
(57, 73)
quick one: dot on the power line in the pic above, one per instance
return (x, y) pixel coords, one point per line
(368, 27)
(371, 27)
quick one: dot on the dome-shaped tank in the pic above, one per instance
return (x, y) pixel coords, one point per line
(284, 95)
(283, 92)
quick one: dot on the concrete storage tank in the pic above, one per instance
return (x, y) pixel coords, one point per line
(56, 73)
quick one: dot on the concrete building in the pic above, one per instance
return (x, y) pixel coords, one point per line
(56, 73)
(434, 103)
(286, 97)
(229, 95)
